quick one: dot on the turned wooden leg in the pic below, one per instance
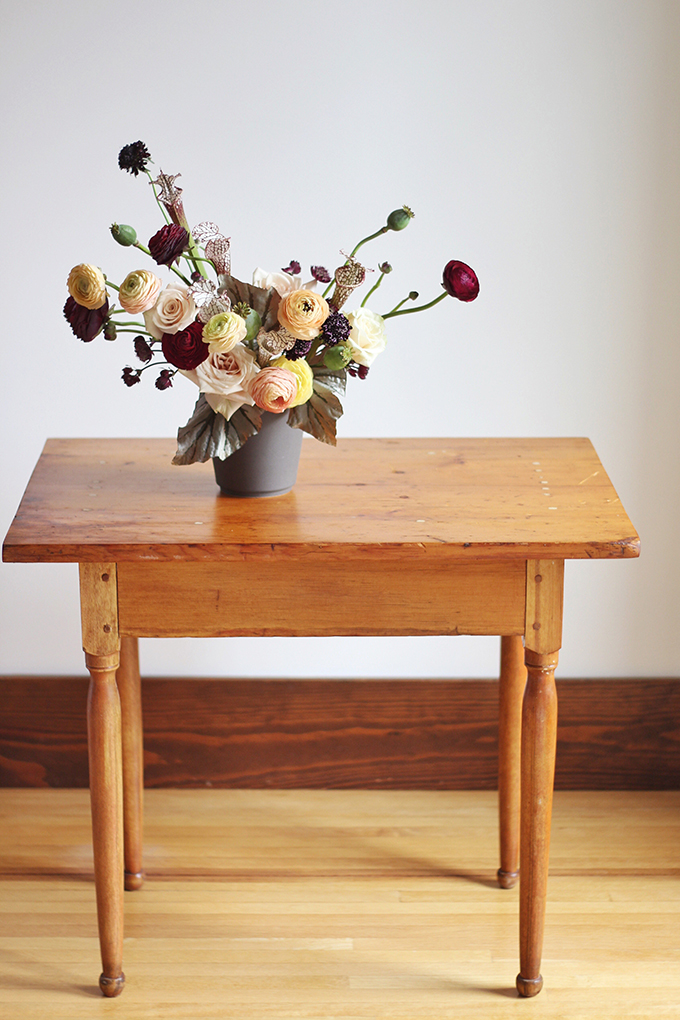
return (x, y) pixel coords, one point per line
(511, 691)
(130, 688)
(99, 613)
(542, 639)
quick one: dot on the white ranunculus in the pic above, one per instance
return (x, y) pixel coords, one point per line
(226, 379)
(174, 310)
(367, 336)
(283, 283)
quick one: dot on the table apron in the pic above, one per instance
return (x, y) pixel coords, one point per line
(292, 597)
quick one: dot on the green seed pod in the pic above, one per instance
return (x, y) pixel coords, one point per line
(253, 324)
(124, 234)
(337, 357)
(400, 218)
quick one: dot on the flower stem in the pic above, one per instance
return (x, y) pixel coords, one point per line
(135, 331)
(419, 308)
(155, 195)
(355, 249)
(374, 287)
(109, 284)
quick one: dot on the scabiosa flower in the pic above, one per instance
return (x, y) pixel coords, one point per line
(301, 348)
(142, 349)
(320, 274)
(185, 349)
(164, 380)
(131, 376)
(134, 158)
(293, 269)
(167, 245)
(460, 281)
(336, 329)
(86, 323)
(360, 371)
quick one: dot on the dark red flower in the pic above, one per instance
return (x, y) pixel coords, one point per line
(460, 281)
(358, 371)
(164, 380)
(134, 157)
(85, 322)
(131, 376)
(185, 349)
(168, 244)
(293, 268)
(321, 274)
(142, 349)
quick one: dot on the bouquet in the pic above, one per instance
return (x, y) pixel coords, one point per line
(275, 345)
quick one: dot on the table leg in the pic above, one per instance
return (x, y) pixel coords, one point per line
(511, 691)
(542, 639)
(130, 688)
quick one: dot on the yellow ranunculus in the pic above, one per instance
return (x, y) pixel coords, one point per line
(224, 331)
(87, 286)
(303, 374)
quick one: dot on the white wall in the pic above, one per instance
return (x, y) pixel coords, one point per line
(535, 139)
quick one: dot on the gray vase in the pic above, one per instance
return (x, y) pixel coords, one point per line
(266, 465)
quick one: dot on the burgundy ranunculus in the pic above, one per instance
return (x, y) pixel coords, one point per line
(168, 244)
(186, 349)
(460, 281)
(85, 322)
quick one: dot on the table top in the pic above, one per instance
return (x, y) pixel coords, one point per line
(121, 500)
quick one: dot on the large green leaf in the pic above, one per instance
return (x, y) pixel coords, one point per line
(208, 434)
(265, 302)
(319, 415)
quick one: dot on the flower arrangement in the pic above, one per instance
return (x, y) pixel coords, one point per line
(276, 344)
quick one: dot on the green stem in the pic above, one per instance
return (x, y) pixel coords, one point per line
(374, 287)
(419, 308)
(135, 331)
(383, 230)
(109, 284)
(155, 195)
(195, 258)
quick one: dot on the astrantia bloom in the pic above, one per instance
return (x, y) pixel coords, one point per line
(131, 376)
(223, 331)
(139, 291)
(303, 374)
(142, 349)
(185, 349)
(460, 281)
(86, 323)
(134, 158)
(274, 389)
(168, 243)
(320, 274)
(303, 313)
(87, 285)
(164, 380)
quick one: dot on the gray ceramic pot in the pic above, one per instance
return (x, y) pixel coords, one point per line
(266, 465)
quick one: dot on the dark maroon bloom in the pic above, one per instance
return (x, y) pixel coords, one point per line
(164, 380)
(320, 274)
(85, 322)
(168, 244)
(293, 268)
(186, 349)
(131, 376)
(110, 332)
(134, 157)
(301, 348)
(357, 370)
(142, 349)
(460, 281)
(335, 329)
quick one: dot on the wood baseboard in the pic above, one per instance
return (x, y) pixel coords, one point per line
(390, 734)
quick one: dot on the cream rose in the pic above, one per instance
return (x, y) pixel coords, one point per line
(367, 336)
(224, 331)
(283, 283)
(303, 374)
(226, 379)
(87, 286)
(139, 290)
(274, 389)
(303, 313)
(174, 310)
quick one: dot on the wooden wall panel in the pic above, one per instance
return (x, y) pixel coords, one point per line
(394, 734)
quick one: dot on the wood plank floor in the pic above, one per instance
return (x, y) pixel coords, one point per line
(341, 904)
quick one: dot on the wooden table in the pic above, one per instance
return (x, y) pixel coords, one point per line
(379, 536)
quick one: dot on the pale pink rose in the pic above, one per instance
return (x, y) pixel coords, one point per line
(139, 291)
(274, 389)
(174, 310)
(283, 283)
(225, 378)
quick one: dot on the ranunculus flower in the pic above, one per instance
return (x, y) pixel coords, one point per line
(173, 311)
(460, 281)
(274, 389)
(303, 374)
(223, 331)
(367, 336)
(303, 313)
(283, 283)
(185, 349)
(87, 286)
(139, 291)
(85, 322)
(226, 379)
(168, 243)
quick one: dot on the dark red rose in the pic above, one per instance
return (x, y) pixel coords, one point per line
(168, 244)
(185, 349)
(460, 281)
(85, 322)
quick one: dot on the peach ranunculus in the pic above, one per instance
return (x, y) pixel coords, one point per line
(303, 374)
(367, 336)
(139, 291)
(87, 286)
(274, 389)
(173, 311)
(283, 283)
(223, 331)
(225, 378)
(303, 313)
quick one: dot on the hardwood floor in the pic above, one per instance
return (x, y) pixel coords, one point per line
(341, 904)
